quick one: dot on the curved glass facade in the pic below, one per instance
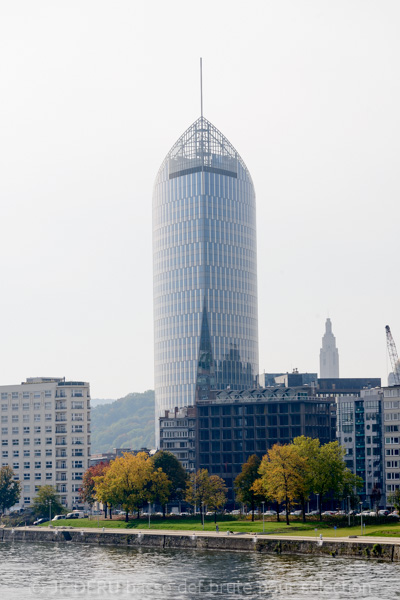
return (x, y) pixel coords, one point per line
(205, 270)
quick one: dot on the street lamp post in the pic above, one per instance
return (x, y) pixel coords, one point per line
(149, 514)
(361, 517)
(49, 511)
(317, 502)
(348, 508)
(263, 517)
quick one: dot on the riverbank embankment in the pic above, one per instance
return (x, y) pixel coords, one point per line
(371, 548)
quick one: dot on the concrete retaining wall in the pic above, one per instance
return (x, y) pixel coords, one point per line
(354, 549)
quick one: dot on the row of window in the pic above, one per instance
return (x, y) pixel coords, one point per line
(25, 395)
(37, 452)
(77, 476)
(263, 408)
(259, 421)
(284, 432)
(26, 430)
(27, 453)
(27, 441)
(76, 464)
(39, 395)
(47, 406)
(26, 406)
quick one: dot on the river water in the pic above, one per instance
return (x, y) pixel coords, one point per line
(49, 571)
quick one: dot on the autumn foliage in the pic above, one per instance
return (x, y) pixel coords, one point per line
(130, 481)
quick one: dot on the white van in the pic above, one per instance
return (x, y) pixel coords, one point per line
(76, 514)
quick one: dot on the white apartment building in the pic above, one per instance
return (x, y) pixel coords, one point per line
(391, 409)
(45, 435)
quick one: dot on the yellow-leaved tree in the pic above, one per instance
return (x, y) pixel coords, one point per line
(130, 481)
(281, 473)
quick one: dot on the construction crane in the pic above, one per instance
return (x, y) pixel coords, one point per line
(394, 359)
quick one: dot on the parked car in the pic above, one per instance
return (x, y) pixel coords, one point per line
(58, 517)
(78, 514)
(383, 513)
(394, 514)
(270, 513)
(235, 512)
(296, 513)
(39, 521)
(312, 513)
(329, 513)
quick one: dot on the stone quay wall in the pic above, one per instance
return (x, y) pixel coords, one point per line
(388, 551)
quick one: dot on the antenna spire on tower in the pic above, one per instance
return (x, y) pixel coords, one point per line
(201, 86)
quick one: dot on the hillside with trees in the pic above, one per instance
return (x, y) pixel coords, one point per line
(124, 423)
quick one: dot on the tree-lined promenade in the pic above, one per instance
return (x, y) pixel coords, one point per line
(288, 475)
(132, 481)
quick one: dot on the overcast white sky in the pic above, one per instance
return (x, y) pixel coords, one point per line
(92, 96)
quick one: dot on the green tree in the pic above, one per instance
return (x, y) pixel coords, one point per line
(203, 490)
(47, 502)
(308, 448)
(244, 482)
(331, 473)
(350, 486)
(174, 471)
(10, 490)
(281, 471)
(394, 499)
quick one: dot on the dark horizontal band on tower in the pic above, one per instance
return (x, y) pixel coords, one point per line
(206, 169)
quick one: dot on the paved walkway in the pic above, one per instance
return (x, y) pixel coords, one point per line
(180, 532)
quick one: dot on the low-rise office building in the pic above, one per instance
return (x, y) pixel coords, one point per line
(178, 435)
(360, 432)
(45, 435)
(106, 457)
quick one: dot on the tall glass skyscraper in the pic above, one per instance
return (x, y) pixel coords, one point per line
(205, 270)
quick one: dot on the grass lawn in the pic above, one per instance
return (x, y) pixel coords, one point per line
(226, 523)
